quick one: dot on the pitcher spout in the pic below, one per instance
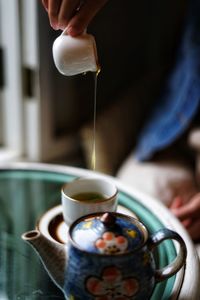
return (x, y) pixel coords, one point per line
(52, 254)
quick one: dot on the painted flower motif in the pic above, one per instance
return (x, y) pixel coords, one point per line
(112, 286)
(111, 244)
(87, 224)
(132, 233)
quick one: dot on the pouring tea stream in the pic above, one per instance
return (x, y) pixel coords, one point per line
(78, 55)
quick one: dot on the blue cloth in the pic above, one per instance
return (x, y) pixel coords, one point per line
(180, 98)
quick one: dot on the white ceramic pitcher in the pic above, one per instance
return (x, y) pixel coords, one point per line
(75, 55)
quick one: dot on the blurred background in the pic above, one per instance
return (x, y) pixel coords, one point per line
(46, 117)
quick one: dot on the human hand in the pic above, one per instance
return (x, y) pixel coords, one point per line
(75, 15)
(189, 214)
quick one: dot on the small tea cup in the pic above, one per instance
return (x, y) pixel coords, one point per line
(88, 195)
(75, 55)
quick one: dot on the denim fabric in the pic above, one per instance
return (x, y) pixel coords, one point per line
(180, 98)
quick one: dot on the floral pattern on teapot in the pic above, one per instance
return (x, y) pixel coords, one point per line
(110, 243)
(93, 235)
(112, 285)
(109, 257)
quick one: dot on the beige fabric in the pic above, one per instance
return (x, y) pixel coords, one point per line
(162, 180)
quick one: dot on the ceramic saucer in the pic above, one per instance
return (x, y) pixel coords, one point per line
(52, 225)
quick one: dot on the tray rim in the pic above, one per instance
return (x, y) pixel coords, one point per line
(189, 288)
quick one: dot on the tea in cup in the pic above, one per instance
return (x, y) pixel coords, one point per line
(88, 195)
(75, 55)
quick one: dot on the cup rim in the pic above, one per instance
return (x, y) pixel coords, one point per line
(108, 199)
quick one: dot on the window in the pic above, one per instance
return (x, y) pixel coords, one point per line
(11, 85)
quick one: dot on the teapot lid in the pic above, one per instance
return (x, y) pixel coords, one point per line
(108, 233)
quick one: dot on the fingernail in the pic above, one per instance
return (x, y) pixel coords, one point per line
(187, 223)
(54, 25)
(70, 30)
(61, 27)
(73, 31)
(174, 211)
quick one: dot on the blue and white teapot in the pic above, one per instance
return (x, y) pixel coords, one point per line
(108, 257)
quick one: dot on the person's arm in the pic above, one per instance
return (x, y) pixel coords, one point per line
(188, 214)
(75, 15)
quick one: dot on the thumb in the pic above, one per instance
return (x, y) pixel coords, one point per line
(186, 211)
(84, 15)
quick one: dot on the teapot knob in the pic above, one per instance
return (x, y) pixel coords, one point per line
(108, 219)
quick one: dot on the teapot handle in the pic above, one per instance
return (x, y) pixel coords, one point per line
(173, 267)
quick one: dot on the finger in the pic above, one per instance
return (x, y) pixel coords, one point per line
(83, 16)
(45, 4)
(187, 223)
(176, 203)
(184, 212)
(53, 10)
(67, 11)
(189, 210)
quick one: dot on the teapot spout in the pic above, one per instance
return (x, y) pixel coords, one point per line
(52, 254)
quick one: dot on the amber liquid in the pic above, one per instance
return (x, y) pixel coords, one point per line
(93, 162)
(89, 197)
